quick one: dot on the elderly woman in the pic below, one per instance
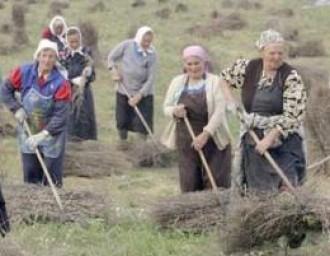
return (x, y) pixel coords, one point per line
(78, 61)
(44, 104)
(55, 32)
(197, 94)
(133, 66)
(274, 98)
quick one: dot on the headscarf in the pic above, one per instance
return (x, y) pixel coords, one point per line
(79, 50)
(55, 21)
(269, 37)
(139, 37)
(199, 52)
(45, 44)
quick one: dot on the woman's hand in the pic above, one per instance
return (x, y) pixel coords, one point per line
(201, 140)
(133, 101)
(264, 144)
(115, 75)
(180, 111)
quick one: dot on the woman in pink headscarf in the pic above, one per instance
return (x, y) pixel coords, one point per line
(198, 95)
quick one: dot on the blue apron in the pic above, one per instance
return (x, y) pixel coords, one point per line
(39, 110)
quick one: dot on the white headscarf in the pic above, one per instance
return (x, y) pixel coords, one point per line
(267, 37)
(55, 21)
(73, 51)
(45, 44)
(139, 37)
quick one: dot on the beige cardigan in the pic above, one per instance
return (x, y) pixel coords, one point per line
(217, 126)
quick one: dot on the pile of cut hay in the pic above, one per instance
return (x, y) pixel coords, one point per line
(93, 159)
(7, 123)
(147, 154)
(317, 121)
(33, 203)
(191, 212)
(248, 222)
(311, 48)
(254, 220)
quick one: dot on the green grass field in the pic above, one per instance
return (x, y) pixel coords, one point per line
(133, 234)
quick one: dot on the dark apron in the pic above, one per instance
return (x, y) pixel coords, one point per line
(257, 172)
(192, 175)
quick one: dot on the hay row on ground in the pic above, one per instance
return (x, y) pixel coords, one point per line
(97, 159)
(311, 48)
(191, 212)
(33, 203)
(93, 159)
(245, 222)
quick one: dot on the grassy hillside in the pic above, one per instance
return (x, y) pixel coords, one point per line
(132, 233)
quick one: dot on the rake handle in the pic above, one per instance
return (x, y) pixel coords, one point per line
(202, 156)
(45, 170)
(142, 119)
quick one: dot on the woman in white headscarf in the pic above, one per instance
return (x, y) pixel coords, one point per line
(44, 105)
(133, 65)
(78, 61)
(274, 98)
(55, 32)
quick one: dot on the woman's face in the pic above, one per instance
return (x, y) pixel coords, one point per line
(47, 59)
(147, 40)
(273, 55)
(58, 28)
(74, 41)
(194, 67)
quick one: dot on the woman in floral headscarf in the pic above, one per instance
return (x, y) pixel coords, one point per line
(274, 98)
(197, 95)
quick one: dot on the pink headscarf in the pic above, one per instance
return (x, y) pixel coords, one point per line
(197, 51)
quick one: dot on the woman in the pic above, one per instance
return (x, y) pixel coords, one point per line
(133, 66)
(274, 98)
(197, 95)
(44, 106)
(79, 64)
(55, 32)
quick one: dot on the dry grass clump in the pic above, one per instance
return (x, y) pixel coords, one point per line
(33, 203)
(283, 13)
(138, 3)
(20, 36)
(180, 7)
(93, 159)
(147, 154)
(90, 38)
(97, 6)
(255, 220)
(191, 212)
(310, 48)
(242, 4)
(163, 13)
(9, 248)
(56, 7)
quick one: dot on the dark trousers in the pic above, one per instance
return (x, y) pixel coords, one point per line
(33, 172)
(4, 221)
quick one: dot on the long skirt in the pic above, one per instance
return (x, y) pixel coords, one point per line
(127, 119)
(82, 121)
(258, 174)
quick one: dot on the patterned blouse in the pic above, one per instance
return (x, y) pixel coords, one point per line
(294, 99)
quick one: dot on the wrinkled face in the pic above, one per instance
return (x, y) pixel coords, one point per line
(147, 40)
(74, 41)
(47, 59)
(273, 55)
(194, 67)
(58, 28)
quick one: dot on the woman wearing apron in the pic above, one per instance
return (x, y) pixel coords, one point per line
(44, 104)
(197, 95)
(274, 98)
